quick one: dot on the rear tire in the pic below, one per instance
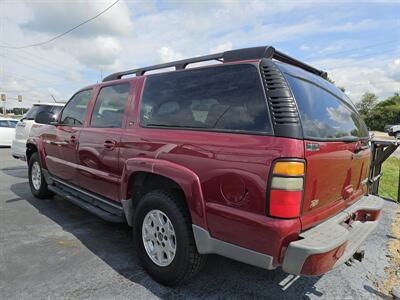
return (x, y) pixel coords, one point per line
(37, 182)
(166, 245)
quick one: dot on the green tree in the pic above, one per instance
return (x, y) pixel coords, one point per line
(384, 113)
(366, 104)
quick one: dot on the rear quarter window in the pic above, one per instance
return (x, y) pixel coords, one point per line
(323, 113)
(228, 98)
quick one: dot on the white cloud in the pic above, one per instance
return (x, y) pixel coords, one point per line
(55, 17)
(100, 52)
(166, 54)
(378, 75)
(340, 114)
(222, 47)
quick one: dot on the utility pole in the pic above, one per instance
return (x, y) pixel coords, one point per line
(3, 99)
(398, 185)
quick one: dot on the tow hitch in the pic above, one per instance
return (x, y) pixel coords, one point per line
(358, 255)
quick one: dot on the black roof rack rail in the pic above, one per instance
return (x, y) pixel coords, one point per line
(227, 56)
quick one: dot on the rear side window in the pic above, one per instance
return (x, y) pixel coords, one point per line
(228, 98)
(324, 115)
(74, 111)
(110, 106)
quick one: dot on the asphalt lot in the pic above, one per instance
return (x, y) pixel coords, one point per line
(51, 249)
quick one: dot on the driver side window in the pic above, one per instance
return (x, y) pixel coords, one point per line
(74, 111)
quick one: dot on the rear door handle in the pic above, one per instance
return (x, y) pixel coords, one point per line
(110, 144)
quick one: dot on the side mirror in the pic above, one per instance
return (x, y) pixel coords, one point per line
(46, 117)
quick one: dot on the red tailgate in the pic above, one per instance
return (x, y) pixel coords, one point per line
(335, 178)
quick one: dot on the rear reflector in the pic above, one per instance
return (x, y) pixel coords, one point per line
(285, 204)
(289, 168)
(285, 183)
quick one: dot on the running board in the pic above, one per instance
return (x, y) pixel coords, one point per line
(92, 203)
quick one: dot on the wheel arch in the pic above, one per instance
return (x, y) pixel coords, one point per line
(32, 146)
(141, 175)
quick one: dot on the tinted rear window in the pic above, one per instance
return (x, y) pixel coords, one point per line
(228, 98)
(325, 115)
(325, 111)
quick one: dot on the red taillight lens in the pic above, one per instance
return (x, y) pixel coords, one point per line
(285, 204)
(286, 189)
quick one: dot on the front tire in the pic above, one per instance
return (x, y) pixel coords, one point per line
(164, 239)
(37, 182)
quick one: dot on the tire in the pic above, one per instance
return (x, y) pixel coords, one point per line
(37, 182)
(182, 264)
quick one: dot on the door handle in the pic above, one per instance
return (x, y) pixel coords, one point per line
(110, 144)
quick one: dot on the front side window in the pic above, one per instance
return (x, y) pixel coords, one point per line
(74, 111)
(110, 106)
(228, 98)
(324, 115)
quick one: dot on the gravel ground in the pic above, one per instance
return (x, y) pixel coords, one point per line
(51, 249)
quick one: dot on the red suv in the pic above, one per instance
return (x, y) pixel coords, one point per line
(257, 158)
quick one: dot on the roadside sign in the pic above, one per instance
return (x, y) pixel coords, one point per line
(3, 97)
(19, 98)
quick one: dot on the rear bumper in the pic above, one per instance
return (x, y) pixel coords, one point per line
(334, 241)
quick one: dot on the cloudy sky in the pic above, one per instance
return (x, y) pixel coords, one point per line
(358, 43)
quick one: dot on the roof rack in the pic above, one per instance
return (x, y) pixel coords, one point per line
(227, 56)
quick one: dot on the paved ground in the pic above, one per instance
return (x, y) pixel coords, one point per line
(51, 249)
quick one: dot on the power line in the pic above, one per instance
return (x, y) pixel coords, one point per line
(46, 70)
(23, 53)
(61, 34)
(357, 63)
(361, 48)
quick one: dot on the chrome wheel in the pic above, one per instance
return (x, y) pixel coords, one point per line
(36, 175)
(159, 238)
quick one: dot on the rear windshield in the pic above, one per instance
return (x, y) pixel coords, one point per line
(325, 112)
(228, 98)
(31, 114)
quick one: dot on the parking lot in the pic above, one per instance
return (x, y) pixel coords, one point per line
(51, 249)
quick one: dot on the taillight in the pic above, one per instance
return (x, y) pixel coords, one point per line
(286, 189)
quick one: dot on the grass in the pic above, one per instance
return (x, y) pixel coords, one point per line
(388, 185)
